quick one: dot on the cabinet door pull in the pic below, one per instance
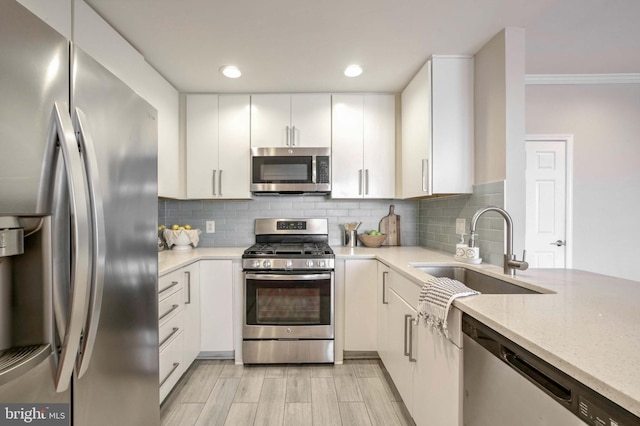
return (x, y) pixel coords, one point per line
(173, 284)
(213, 182)
(411, 358)
(366, 182)
(293, 135)
(425, 175)
(288, 135)
(174, 368)
(174, 330)
(360, 183)
(173, 308)
(220, 183)
(408, 352)
(188, 275)
(384, 288)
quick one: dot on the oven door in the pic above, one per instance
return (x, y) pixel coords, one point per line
(289, 305)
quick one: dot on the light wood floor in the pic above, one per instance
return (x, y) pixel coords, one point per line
(355, 393)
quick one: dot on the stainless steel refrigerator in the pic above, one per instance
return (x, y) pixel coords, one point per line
(78, 239)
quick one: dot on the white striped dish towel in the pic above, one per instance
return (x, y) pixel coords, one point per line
(436, 298)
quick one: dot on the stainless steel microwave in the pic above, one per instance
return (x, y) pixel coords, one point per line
(290, 170)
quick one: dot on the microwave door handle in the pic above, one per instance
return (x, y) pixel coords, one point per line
(314, 167)
(62, 136)
(99, 240)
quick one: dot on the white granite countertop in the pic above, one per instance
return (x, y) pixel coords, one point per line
(586, 324)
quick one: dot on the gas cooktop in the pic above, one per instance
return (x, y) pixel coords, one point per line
(290, 244)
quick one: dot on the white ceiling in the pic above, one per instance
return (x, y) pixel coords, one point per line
(304, 45)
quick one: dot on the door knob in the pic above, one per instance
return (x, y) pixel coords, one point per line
(559, 243)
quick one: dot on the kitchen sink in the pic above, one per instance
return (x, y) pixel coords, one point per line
(475, 280)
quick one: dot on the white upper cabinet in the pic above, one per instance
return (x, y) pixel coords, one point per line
(437, 129)
(363, 146)
(218, 146)
(285, 120)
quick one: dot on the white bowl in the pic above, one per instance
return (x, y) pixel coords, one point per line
(182, 242)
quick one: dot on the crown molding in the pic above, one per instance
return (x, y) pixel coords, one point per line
(630, 78)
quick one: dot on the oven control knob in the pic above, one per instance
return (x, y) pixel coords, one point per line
(288, 263)
(321, 263)
(267, 264)
(256, 263)
(309, 263)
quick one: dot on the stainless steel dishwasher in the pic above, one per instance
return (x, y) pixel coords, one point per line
(506, 385)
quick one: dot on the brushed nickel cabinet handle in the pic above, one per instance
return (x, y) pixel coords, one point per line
(174, 368)
(174, 330)
(173, 308)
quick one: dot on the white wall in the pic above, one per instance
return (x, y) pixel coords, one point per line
(500, 121)
(96, 37)
(490, 112)
(75, 20)
(605, 122)
(56, 13)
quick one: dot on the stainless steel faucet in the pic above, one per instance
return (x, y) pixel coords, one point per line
(510, 261)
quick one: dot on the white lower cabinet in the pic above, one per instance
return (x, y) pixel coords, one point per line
(171, 319)
(437, 380)
(216, 307)
(361, 277)
(179, 324)
(400, 361)
(383, 312)
(425, 367)
(171, 364)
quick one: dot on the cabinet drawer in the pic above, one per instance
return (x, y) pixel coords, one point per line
(170, 328)
(170, 283)
(405, 288)
(170, 307)
(171, 365)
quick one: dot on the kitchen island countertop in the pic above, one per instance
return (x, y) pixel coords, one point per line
(584, 324)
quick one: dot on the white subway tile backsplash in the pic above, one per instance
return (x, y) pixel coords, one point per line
(235, 219)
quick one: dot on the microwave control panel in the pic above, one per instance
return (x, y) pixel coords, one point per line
(323, 170)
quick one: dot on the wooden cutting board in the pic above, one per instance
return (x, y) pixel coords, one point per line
(390, 225)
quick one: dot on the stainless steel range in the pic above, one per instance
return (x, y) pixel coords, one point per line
(289, 293)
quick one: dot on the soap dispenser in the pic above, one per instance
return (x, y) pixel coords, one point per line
(461, 247)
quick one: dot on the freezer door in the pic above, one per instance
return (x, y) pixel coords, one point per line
(120, 385)
(33, 76)
(34, 64)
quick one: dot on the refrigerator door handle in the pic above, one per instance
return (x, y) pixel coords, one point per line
(61, 135)
(85, 141)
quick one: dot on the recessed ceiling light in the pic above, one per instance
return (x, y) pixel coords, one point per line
(230, 71)
(353, 70)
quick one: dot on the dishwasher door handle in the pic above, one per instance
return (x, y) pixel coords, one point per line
(535, 375)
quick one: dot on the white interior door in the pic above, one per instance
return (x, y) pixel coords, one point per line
(547, 201)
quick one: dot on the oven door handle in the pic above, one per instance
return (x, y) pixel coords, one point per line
(287, 277)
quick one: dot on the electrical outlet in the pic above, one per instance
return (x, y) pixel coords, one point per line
(461, 226)
(211, 226)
